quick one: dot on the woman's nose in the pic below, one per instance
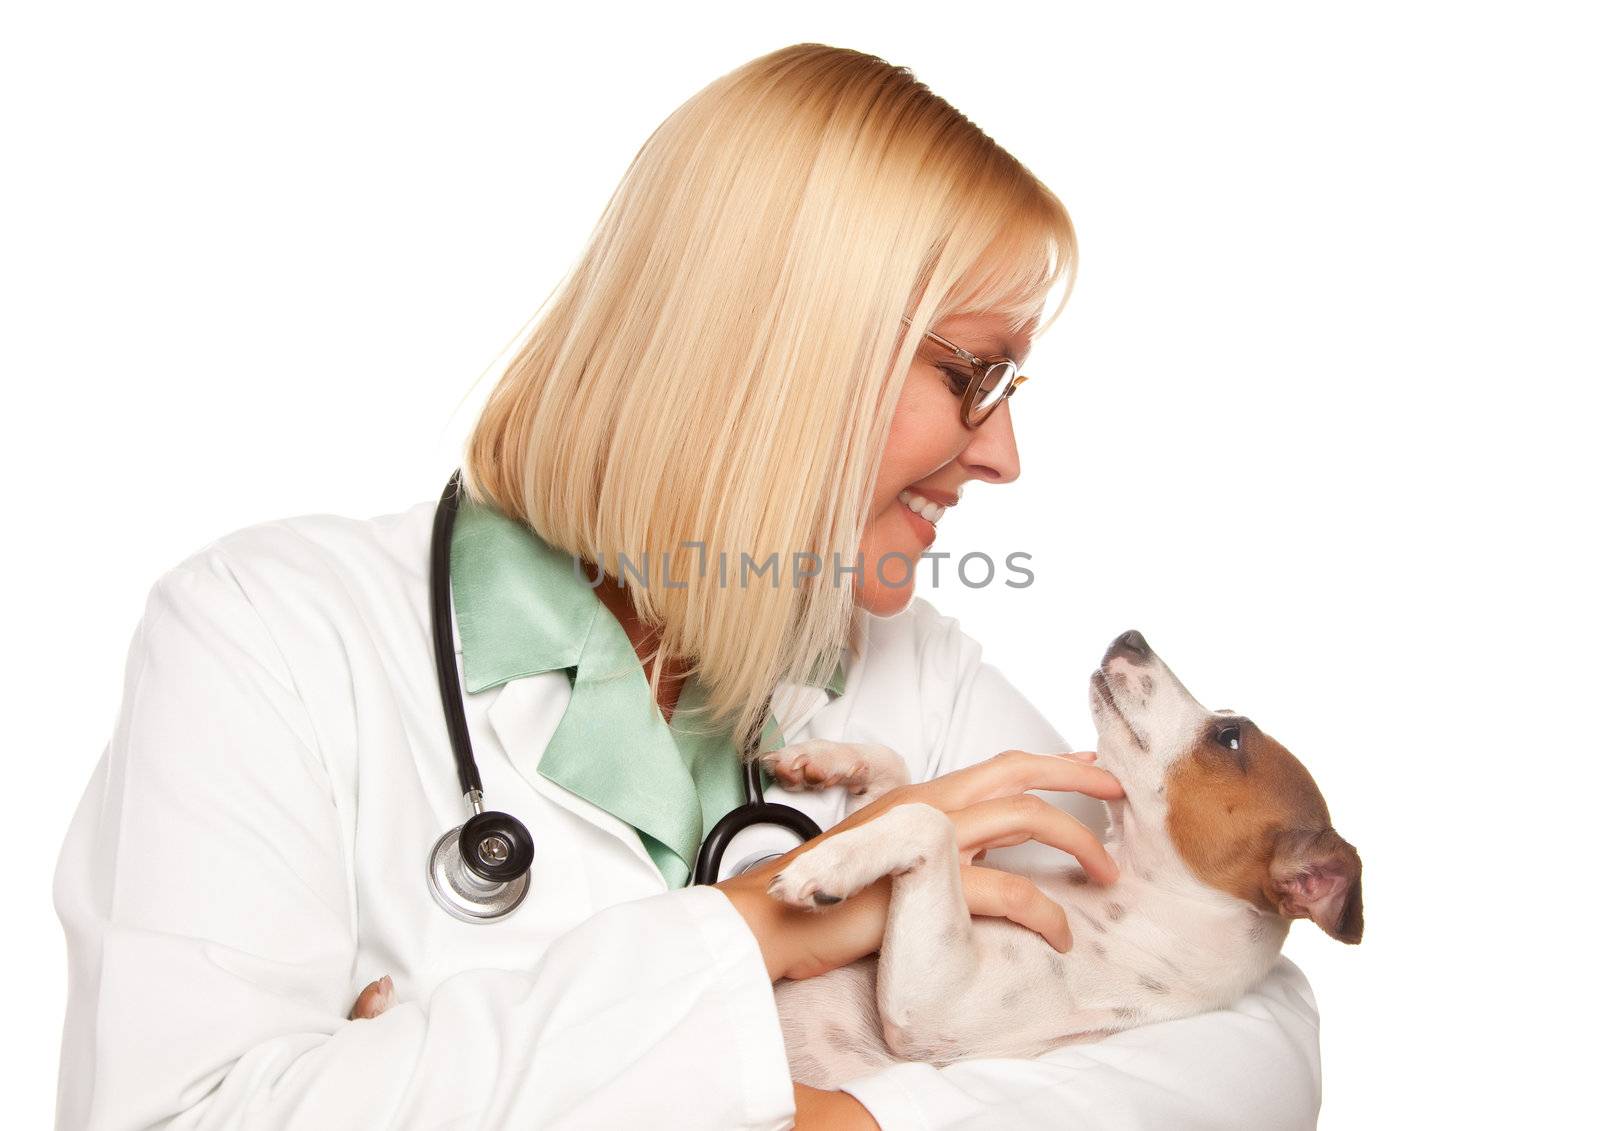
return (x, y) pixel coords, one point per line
(991, 451)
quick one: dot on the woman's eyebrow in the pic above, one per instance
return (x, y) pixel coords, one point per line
(984, 345)
(994, 344)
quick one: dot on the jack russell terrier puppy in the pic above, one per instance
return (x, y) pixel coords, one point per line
(1222, 839)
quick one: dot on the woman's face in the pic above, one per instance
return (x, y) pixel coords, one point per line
(931, 453)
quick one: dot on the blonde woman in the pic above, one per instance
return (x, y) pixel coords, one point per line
(791, 341)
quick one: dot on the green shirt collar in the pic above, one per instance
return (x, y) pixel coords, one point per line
(521, 609)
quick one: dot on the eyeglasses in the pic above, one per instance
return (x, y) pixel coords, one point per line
(989, 383)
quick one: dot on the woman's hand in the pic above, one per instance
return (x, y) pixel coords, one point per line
(990, 808)
(818, 1110)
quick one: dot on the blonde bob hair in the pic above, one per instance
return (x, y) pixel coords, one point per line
(720, 367)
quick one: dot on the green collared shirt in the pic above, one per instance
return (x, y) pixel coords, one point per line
(521, 609)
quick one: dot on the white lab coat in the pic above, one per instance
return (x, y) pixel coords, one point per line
(249, 853)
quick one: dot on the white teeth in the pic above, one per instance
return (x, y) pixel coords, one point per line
(928, 509)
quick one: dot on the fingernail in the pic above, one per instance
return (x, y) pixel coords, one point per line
(1082, 755)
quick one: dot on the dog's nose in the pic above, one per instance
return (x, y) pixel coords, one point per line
(1130, 644)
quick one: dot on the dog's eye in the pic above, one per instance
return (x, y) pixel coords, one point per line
(1228, 736)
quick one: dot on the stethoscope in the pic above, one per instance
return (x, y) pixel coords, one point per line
(478, 871)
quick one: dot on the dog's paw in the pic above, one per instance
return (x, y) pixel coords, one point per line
(819, 764)
(374, 999)
(905, 837)
(823, 875)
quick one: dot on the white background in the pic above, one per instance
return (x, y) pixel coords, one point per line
(1319, 418)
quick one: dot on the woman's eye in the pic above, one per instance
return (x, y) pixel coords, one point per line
(957, 379)
(1228, 736)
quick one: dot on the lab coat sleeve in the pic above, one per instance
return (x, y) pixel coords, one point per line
(1254, 1065)
(205, 895)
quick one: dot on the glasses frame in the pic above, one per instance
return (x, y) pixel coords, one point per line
(981, 369)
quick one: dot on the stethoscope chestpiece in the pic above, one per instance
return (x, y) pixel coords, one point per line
(478, 871)
(496, 847)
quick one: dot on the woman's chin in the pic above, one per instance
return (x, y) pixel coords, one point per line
(884, 600)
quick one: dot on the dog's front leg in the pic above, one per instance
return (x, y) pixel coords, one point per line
(929, 957)
(947, 987)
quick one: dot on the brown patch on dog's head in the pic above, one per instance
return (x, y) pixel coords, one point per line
(1249, 821)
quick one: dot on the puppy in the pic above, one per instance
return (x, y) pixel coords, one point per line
(1221, 841)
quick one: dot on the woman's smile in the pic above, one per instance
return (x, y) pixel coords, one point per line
(924, 510)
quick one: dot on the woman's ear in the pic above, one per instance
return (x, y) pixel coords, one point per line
(1317, 876)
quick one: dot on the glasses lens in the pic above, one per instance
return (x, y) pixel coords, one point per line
(992, 389)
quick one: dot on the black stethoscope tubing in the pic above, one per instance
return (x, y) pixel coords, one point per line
(496, 848)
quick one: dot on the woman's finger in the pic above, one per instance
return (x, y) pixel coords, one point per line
(1012, 820)
(1015, 771)
(1007, 773)
(373, 1000)
(1006, 895)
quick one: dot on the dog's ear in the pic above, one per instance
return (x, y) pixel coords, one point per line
(1317, 876)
